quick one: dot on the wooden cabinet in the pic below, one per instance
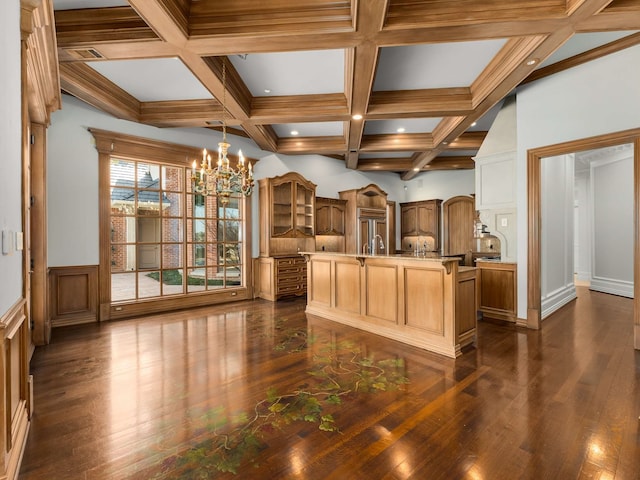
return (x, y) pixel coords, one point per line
(287, 215)
(287, 226)
(391, 227)
(330, 215)
(459, 227)
(420, 219)
(365, 217)
(497, 292)
(330, 224)
(281, 277)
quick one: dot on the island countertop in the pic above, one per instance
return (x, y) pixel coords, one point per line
(428, 301)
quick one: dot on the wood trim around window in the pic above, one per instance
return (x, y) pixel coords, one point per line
(125, 146)
(534, 208)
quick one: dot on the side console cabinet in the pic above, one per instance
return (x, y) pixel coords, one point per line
(497, 292)
(281, 277)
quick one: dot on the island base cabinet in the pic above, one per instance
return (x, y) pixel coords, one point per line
(497, 290)
(427, 304)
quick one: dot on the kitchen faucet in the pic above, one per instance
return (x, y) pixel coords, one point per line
(376, 245)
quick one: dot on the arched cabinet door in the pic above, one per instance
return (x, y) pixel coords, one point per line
(458, 224)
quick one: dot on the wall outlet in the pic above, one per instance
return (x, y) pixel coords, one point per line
(504, 222)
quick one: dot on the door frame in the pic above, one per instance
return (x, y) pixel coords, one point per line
(534, 219)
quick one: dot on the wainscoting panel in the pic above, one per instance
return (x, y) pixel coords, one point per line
(73, 295)
(15, 394)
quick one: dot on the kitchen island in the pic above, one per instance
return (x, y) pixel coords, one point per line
(427, 301)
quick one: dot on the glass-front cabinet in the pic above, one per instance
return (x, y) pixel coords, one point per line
(293, 206)
(287, 214)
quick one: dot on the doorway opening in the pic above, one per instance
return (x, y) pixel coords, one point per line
(534, 216)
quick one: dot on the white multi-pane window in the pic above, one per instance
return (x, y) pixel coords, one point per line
(166, 240)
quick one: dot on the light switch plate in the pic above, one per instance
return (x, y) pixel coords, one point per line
(504, 222)
(19, 241)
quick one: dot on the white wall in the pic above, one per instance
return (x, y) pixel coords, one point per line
(612, 254)
(582, 231)
(596, 98)
(73, 177)
(439, 184)
(72, 183)
(10, 152)
(557, 228)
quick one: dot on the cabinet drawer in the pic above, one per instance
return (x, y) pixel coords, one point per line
(292, 270)
(292, 290)
(287, 261)
(299, 278)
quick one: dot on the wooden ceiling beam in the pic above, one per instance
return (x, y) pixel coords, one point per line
(369, 21)
(468, 141)
(500, 77)
(186, 113)
(311, 145)
(209, 71)
(264, 136)
(414, 103)
(610, 20)
(299, 108)
(265, 18)
(588, 56)
(451, 163)
(403, 164)
(384, 164)
(447, 14)
(396, 142)
(89, 26)
(166, 18)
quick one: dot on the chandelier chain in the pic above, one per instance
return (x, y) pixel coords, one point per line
(221, 179)
(224, 100)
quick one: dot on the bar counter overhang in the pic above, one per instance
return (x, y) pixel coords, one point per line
(426, 301)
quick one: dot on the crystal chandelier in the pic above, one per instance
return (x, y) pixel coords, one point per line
(222, 180)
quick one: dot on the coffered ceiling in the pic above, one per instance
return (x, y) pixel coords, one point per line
(427, 76)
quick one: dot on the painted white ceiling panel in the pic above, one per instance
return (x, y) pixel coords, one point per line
(74, 4)
(292, 73)
(436, 65)
(310, 129)
(581, 42)
(410, 125)
(151, 80)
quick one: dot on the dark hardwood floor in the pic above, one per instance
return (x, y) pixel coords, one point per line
(257, 388)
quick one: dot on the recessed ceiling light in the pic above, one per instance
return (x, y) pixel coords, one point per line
(445, 143)
(532, 61)
(294, 132)
(400, 130)
(267, 90)
(416, 169)
(357, 116)
(474, 124)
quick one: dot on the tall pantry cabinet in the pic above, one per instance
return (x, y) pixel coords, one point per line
(287, 226)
